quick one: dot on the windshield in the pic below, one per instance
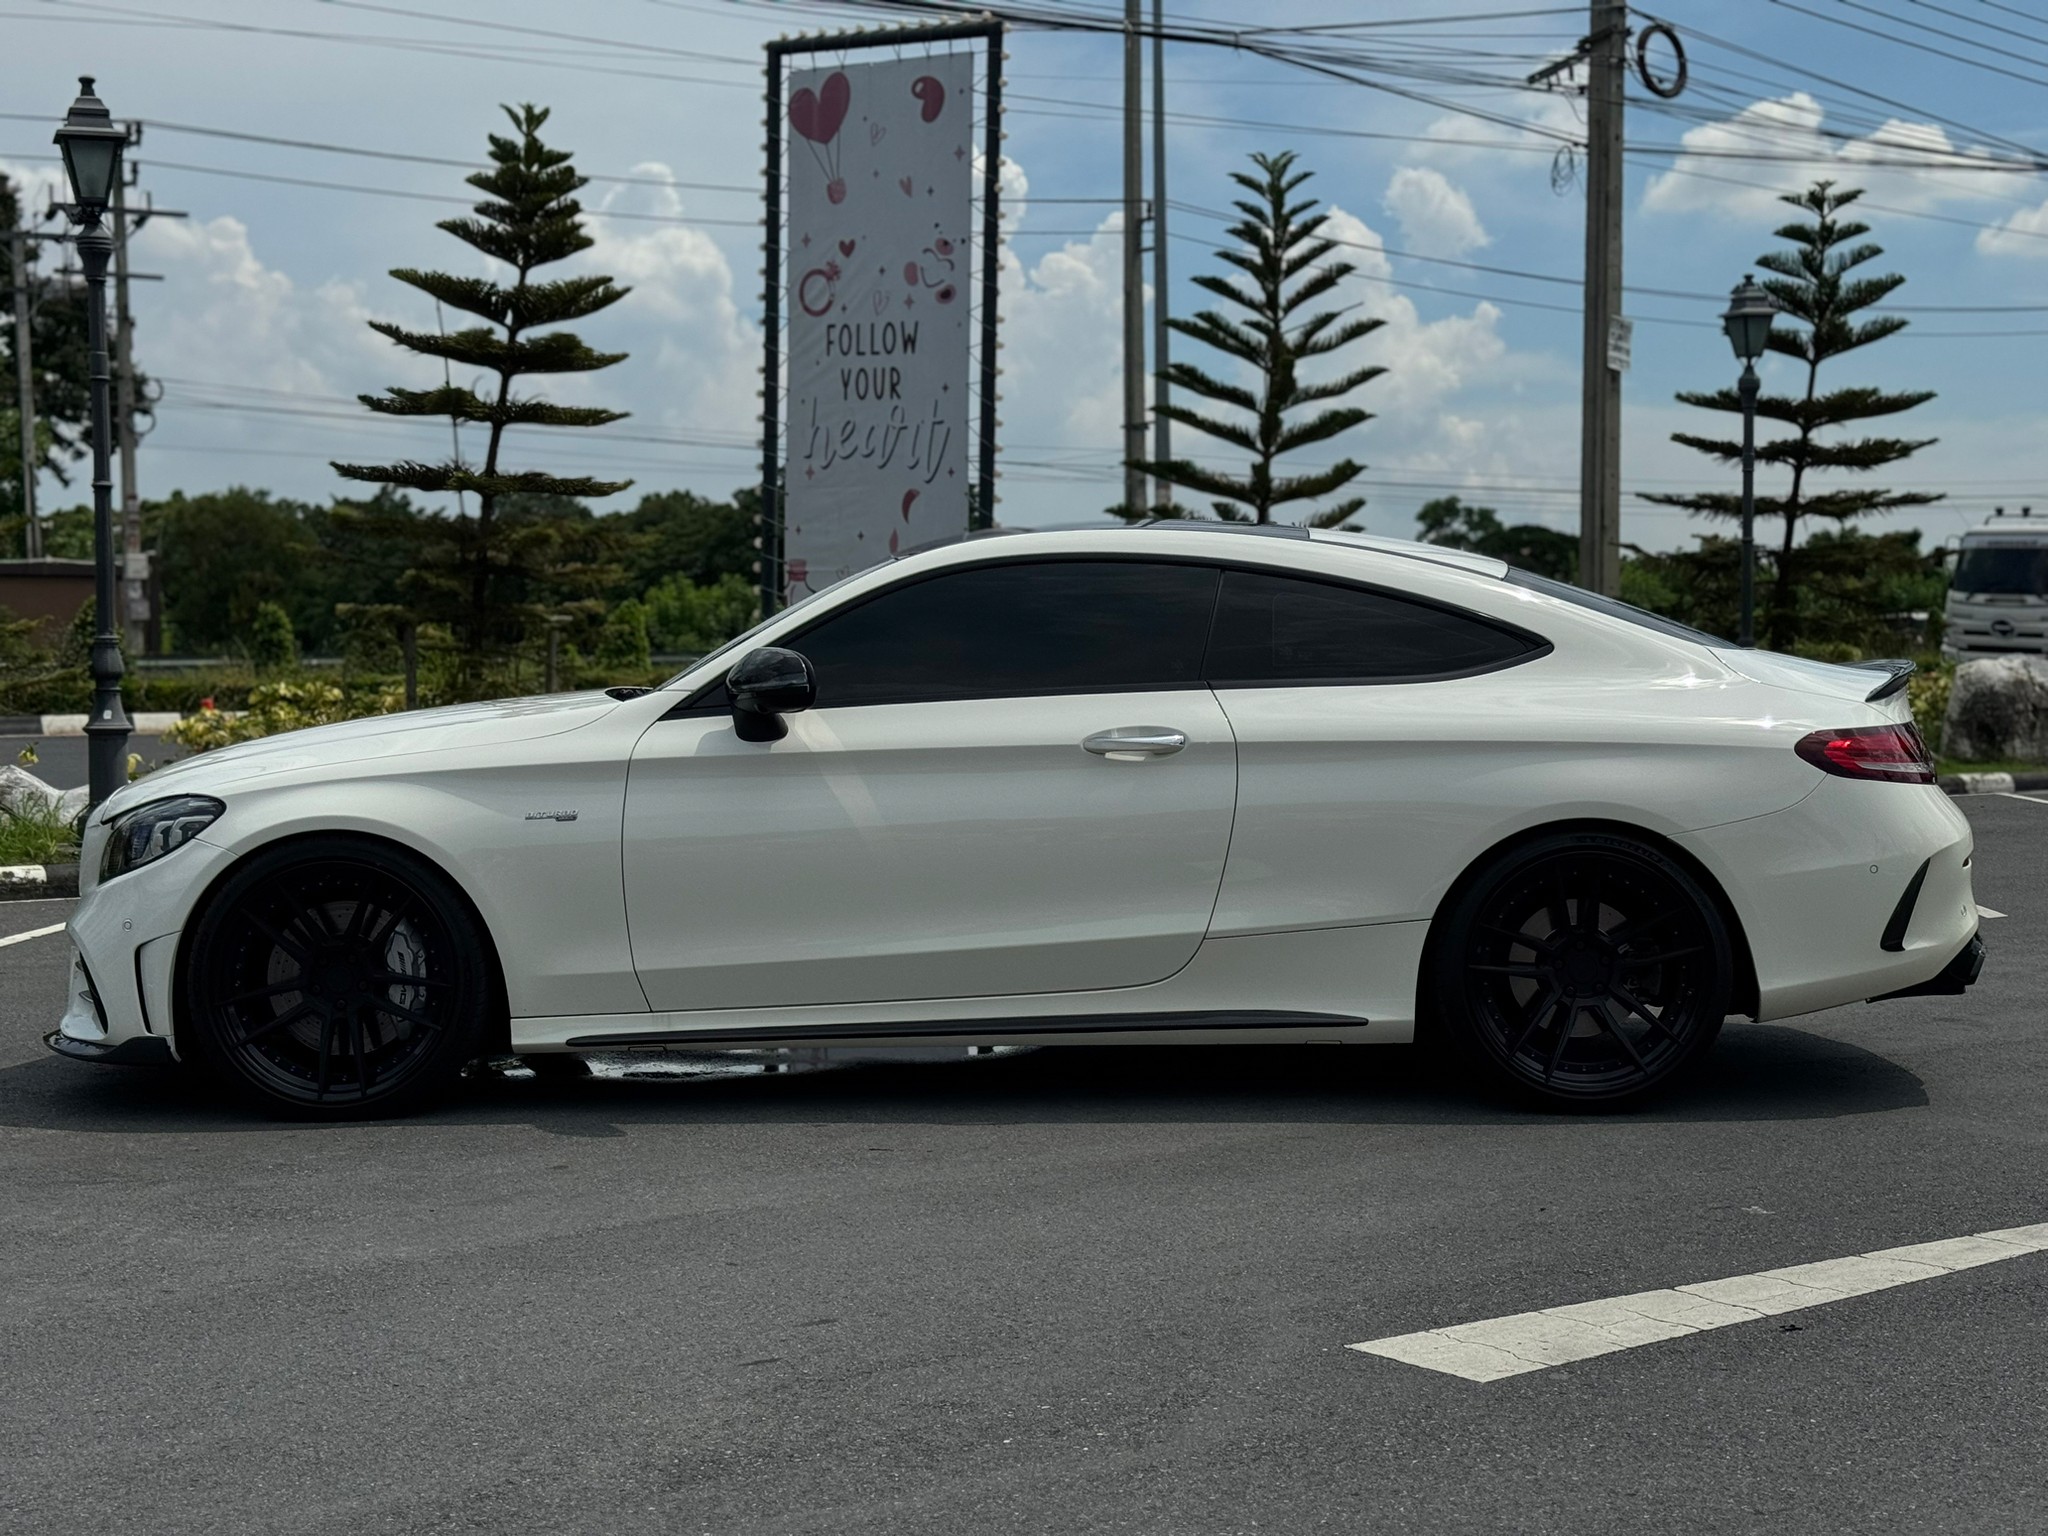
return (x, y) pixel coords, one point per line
(1614, 608)
(2007, 569)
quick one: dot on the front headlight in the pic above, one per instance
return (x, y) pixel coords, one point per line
(137, 837)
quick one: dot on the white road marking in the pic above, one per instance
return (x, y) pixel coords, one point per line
(1533, 1341)
(2030, 799)
(33, 933)
(1985, 912)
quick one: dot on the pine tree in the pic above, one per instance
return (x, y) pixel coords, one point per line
(1278, 242)
(1812, 283)
(476, 570)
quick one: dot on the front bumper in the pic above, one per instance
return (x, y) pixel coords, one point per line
(124, 935)
(139, 1051)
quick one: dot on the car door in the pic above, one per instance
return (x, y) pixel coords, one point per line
(1374, 731)
(956, 815)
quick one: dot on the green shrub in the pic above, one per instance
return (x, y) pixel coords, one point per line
(35, 833)
(1827, 650)
(273, 645)
(622, 644)
(695, 619)
(285, 705)
(1928, 693)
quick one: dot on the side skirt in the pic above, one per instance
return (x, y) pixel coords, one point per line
(981, 1029)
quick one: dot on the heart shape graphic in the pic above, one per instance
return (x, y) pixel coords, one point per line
(908, 498)
(817, 114)
(846, 247)
(907, 185)
(881, 301)
(877, 132)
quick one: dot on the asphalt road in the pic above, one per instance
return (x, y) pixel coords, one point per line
(1051, 1292)
(60, 760)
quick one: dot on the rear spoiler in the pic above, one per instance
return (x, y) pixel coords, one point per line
(1897, 671)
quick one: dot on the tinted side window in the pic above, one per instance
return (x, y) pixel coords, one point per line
(1060, 626)
(1275, 629)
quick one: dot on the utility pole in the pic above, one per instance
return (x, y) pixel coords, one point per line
(135, 584)
(134, 570)
(25, 389)
(1606, 54)
(1162, 429)
(1134, 259)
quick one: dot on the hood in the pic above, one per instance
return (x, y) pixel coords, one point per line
(1828, 679)
(468, 726)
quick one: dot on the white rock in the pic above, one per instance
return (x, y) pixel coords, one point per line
(1998, 711)
(21, 790)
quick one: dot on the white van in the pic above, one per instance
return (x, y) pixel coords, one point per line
(1998, 594)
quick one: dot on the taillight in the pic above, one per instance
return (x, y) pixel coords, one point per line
(1892, 752)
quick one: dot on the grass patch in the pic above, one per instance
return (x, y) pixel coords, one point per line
(36, 834)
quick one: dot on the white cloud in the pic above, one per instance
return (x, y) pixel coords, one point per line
(1435, 215)
(1459, 139)
(35, 186)
(231, 320)
(683, 321)
(1898, 163)
(2025, 233)
(1063, 386)
(1062, 362)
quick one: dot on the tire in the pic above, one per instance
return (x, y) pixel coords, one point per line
(336, 979)
(1585, 971)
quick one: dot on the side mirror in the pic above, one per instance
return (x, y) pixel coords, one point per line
(766, 685)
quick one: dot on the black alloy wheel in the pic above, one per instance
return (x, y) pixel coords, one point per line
(1585, 970)
(336, 979)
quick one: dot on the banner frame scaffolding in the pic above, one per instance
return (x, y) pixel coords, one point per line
(779, 52)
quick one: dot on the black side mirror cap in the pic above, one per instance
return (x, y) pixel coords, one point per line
(766, 685)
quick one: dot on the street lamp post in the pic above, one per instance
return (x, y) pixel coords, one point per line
(91, 146)
(1747, 322)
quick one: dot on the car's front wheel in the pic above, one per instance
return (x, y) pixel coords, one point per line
(336, 979)
(1583, 969)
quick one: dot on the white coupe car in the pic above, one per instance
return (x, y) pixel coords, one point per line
(1180, 783)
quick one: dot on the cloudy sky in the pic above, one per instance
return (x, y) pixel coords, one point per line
(1467, 230)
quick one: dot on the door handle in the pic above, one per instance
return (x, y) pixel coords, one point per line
(1135, 743)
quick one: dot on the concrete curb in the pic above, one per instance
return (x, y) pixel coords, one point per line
(1993, 783)
(149, 722)
(33, 882)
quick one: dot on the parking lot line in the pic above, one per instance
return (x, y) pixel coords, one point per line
(33, 933)
(1533, 1341)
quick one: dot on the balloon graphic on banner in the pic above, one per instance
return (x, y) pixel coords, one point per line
(817, 116)
(931, 94)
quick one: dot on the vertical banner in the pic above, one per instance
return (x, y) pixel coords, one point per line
(881, 194)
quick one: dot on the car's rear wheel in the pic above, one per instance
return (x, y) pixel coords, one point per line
(336, 979)
(1585, 970)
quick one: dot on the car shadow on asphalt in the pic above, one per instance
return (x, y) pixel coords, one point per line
(1757, 1073)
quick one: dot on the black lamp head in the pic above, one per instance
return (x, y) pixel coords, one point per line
(92, 145)
(1747, 320)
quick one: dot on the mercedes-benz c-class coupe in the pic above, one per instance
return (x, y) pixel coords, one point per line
(1171, 784)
